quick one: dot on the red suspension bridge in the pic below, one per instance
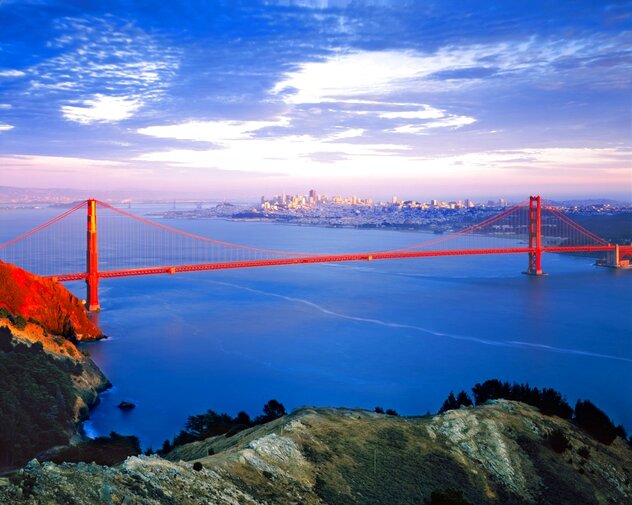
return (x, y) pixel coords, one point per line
(120, 244)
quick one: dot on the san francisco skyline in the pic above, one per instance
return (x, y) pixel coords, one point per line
(239, 99)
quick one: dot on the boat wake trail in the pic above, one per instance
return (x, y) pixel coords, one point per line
(427, 331)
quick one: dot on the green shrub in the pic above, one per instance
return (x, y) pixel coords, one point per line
(549, 401)
(596, 423)
(446, 497)
(101, 450)
(559, 442)
(584, 452)
(212, 424)
(454, 402)
(19, 322)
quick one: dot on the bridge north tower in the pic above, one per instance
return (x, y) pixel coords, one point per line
(535, 236)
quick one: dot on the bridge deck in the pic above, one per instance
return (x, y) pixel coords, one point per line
(326, 258)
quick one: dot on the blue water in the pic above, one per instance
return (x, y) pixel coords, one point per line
(400, 334)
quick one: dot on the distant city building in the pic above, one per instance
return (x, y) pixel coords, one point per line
(314, 201)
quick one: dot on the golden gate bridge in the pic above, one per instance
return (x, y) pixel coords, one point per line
(120, 244)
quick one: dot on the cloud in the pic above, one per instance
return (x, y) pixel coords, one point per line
(244, 146)
(101, 108)
(20, 161)
(211, 131)
(12, 73)
(5, 127)
(369, 76)
(449, 121)
(105, 62)
(336, 4)
(425, 112)
(5, 106)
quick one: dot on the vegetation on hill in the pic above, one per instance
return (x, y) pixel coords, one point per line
(497, 453)
(36, 400)
(100, 450)
(212, 424)
(550, 402)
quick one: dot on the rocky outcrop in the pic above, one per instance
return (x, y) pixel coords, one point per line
(47, 301)
(496, 453)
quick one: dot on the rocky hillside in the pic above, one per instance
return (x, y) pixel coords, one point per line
(48, 385)
(46, 301)
(500, 452)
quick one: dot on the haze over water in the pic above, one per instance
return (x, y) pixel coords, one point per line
(400, 334)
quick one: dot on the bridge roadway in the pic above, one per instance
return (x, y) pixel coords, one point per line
(326, 258)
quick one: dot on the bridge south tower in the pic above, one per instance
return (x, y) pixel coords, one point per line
(92, 258)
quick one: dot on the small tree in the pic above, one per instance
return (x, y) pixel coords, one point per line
(454, 402)
(271, 411)
(463, 399)
(596, 423)
(449, 403)
(242, 418)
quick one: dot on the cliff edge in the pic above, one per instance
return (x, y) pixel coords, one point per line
(46, 301)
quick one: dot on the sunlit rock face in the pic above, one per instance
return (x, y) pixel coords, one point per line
(47, 301)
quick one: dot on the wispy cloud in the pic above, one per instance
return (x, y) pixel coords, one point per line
(109, 65)
(451, 121)
(244, 146)
(101, 108)
(5, 127)
(212, 131)
(372, 75)
(12, 73)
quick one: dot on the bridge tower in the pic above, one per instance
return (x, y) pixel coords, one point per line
(535, 236)
(92, 258)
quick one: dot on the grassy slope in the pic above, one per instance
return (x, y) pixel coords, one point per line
(497, 453)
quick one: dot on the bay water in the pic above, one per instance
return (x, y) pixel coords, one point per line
(400, 334)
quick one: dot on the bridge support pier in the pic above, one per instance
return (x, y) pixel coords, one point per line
(614, 258)
(535, 237)
(92, 258)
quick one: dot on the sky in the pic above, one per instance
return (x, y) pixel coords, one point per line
(238, 99)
